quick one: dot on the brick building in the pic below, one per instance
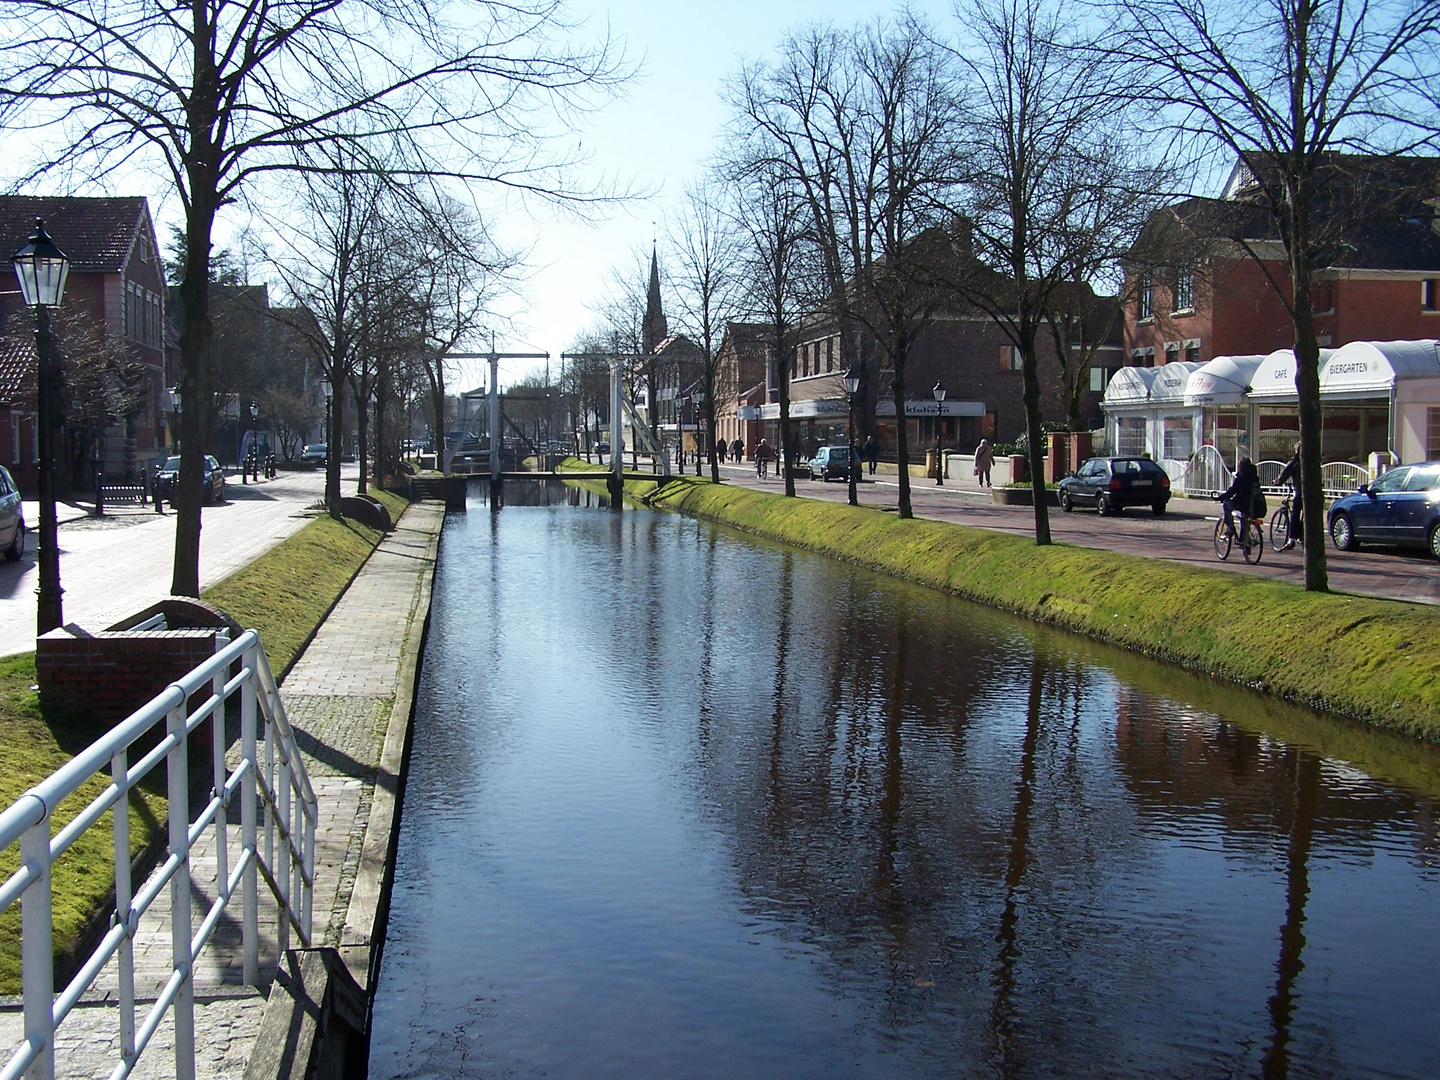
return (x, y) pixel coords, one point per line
(1381, 282)
(116, 296)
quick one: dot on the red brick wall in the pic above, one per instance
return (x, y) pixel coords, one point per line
(110, 675)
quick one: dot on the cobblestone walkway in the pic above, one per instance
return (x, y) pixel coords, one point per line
(339, 698)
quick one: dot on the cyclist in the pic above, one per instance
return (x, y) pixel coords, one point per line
(1241, 495)
(763, 453)
(1291, 472)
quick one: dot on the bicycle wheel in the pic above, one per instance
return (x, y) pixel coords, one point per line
(1279, 529)
(1222, 540)
(1253, 545)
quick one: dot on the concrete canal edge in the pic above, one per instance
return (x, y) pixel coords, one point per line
(317, 1018)
(1371, 660)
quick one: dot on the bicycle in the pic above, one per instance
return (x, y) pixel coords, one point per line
(1281, 536)
(1252, 540)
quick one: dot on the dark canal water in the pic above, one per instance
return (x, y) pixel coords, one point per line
(686, 805)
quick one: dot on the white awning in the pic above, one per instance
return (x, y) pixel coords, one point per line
(1130, 386)
(1372, 368)
(1221, 381)
(1172, 381)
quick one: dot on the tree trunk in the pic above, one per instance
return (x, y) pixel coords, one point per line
(784, 455)
(332, 459)
(195, 338)
(362, 423)
(902, 438)
(1035, 437)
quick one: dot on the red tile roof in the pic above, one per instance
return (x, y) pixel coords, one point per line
(17, 371)
(96, 234)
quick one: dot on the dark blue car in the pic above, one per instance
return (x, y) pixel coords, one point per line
(1402, 508)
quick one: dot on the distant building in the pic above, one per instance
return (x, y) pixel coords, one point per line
(114, 303)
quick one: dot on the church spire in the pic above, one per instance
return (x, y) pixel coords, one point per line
(653, 330)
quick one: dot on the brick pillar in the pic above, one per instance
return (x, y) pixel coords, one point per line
(1057, 462)
(1080, 440)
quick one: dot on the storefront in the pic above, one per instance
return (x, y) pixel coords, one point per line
(1218, 390)
(814, 423)
(953, 424)
(1126, 405)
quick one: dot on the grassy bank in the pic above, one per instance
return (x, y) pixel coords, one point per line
(1368, 659)
(285, 594)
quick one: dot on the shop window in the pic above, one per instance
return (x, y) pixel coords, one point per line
(1430, 294)
(1010, 359)
(1179, 438)
(1130, 436)
(1145, 308)
(1432, 434)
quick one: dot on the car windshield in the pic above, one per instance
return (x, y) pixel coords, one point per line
(171, 464)
(839, 453)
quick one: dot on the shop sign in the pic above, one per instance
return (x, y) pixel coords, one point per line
(922, 407)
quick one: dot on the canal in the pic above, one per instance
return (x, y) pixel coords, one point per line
(683, 804)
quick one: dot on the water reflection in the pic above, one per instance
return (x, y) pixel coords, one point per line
(683, 804)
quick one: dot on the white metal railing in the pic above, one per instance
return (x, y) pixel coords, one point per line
(270, 774)
(1269, 473)
(1207, 473)
(1341, 478)
(1175, 469)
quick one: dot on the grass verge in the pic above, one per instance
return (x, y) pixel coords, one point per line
(1371, 660)
(285, 594)
(34, 745)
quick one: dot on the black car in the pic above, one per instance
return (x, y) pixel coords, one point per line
(1402, 507)
(213, 485)
(1112, 484)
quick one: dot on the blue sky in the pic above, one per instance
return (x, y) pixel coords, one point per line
(661, 133)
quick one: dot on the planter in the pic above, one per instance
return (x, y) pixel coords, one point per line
(1023, 496)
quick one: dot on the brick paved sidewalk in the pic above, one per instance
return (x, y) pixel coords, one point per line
(339, 697)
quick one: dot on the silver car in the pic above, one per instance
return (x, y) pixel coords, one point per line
(12, 518)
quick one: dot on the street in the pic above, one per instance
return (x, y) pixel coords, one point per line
(1183, 534)
(113, 566)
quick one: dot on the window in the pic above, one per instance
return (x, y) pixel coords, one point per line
(1432, 434)
(1146, 301)
(1097, 380)
(1179, 443)
(1130, 436)
(1184, 299)
(1423, 480)
(1172, 352)
(1010, 358)
(829, 354)
(1192, 352)
(1430, 294)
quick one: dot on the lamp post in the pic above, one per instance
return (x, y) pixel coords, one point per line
(851, 382)
(97, 464)
(939, 392)
(698, 399)
(329, 391)
(42, 269)
(253, 453)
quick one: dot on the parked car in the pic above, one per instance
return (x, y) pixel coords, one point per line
(213, 488)
(1112, 484)
(314, 453)
(830, 463)
(1401, 507)
(12, 518)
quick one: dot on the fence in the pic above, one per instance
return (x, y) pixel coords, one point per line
(269, 773)
(1207, 473)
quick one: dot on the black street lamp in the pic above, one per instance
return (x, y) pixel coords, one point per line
(698, 399)
(851, 382)
(42, 269)
(939, 392)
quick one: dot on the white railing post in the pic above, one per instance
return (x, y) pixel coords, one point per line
(37, 956)
(181, 929)
(250, 900)
(124, 895)
(217, 744)
(282, 863)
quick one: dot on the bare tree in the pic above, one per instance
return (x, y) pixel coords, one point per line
(1047, 170)
(777, 288)
(706, 246)
(222, 93)
(1287, 86)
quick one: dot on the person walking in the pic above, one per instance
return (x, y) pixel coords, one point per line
(871, 452)
(721, 448)
(984, 462)
(1291, 472)
(737, 451)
